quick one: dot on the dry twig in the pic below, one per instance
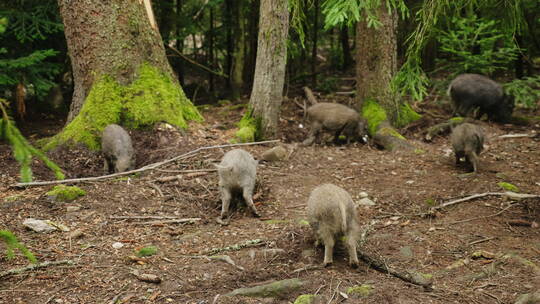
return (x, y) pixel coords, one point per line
(508, 194)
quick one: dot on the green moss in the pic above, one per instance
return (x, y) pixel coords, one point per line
(406, 115)
(457, 120)
(430, 202)
(249, 128)
(303, 223)
(147, 251)
(374, 114)
(363, 290)
(305, 299)
(66, 193)
(152, 97)
(389, 131)
(508, 187)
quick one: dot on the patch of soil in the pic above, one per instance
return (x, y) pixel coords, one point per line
(403, 232)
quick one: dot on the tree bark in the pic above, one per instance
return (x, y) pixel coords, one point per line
(376, 61)
(266, 96)
(376, 65)
(345, 47)
(120, 71)
(237, 72)
(108, 38)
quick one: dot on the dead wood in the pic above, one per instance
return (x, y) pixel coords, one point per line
(145, 168)
(34, 267)
(310, 96)
(246, 244)
(176, 221)
(511, 195)
(409, 276)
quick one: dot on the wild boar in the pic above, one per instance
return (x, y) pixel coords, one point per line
(472, 91)
(467, 141)
(117, 149)
(331, 212)
(237, 173)
(337, 118)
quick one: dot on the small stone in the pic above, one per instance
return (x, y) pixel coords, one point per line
(39, 225)
(117, 245)
(363, 194)
(277, 153)
(366, 202)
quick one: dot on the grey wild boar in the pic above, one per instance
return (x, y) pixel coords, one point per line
(117, 149)
(336, 118)
(472, 91)
(237, 173)
(331, 213)
(467, 141)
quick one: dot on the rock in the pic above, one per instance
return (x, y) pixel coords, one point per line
(277, 289)
(363, 194)
(44, 226)
(366, 202)
(277, 153)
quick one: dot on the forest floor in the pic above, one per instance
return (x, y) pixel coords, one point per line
(485, 250)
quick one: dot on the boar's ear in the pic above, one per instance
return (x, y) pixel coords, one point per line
(220, 167)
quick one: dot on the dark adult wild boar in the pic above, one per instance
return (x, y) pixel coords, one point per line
(471, 91)
(467, 141)
(237, 172)
(331, 213)
(117, 149)
(337, 118)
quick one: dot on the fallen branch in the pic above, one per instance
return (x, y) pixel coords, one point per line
(246, 244)
(177, 221)
(310, 96)
(142, 217)
(407, 276)
(187, 171)
(196, 63)
(34, 267)
(517, 135)
(145, 168)
(511, 195)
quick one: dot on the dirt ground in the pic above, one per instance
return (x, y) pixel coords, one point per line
(485, 250)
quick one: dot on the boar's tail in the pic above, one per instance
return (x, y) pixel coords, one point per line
(449, 90)
(343, 213)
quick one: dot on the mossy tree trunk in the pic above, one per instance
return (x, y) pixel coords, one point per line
(119, 64)
(238, 58)
(266, 96)
(376, 65)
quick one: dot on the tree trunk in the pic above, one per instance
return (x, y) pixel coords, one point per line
(314, 46)
(266, 96)
(376, 65)
(237, 73)
(253, 26)
(119, 64)
(345, 48)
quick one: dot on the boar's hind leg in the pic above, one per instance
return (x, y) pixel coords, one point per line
(353, 256)
(247, 192)
(328, 240)
(225, 202)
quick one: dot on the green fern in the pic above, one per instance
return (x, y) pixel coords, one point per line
(12, 243)
(22, 150)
